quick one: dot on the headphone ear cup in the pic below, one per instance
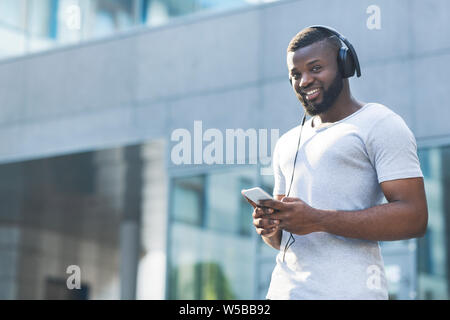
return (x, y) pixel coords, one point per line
(346, 63)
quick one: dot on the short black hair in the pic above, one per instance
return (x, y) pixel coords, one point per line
(309, 36)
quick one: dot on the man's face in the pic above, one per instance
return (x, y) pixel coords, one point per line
(315, 77)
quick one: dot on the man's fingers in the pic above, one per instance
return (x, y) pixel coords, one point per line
(261, 212)
(274, 204)
(264, 232)
(257, 213)
(265, 223)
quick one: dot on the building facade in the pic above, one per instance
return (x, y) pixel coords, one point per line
(96, 96)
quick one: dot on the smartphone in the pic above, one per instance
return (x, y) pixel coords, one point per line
(256, 194)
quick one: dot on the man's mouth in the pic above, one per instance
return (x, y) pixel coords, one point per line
(312, 94)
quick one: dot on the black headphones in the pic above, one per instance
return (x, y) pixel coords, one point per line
(347, 58)
(348, 63)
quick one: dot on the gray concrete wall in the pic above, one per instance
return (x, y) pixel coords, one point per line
(227, 69)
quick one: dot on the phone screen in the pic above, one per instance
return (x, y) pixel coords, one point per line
(256, 194)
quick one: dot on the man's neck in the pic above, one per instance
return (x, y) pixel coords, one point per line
(344, 106)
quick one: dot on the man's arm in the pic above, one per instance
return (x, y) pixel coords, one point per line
(404, 217)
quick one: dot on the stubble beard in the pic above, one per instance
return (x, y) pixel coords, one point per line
(329, 97)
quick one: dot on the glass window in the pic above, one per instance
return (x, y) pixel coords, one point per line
(56, 289)
(109, 16)
(434, 247)
(216, 260)
(68, 210)
(245, 210)
(71, 20)
(40, 14)
(159, 11)
(228, 211)
(266, 255)
(206, 4)
(188, 200)
(156, 12)
(12, 28)
(13, 14)
(13, 42)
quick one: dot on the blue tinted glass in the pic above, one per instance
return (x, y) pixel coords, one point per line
(433, 247)
(424, 155)
(220, 3)
(188, 200)
(226, 210)
(12, 13)
(111, 16)
(215, 261)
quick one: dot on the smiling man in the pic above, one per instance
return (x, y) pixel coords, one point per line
(329, 214)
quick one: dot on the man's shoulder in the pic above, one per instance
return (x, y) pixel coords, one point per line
(384, 125)
(377, 111)
(378, 115)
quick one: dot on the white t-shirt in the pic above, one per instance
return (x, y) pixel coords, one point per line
(339, 167)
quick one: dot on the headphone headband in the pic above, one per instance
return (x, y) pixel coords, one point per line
(347, 43)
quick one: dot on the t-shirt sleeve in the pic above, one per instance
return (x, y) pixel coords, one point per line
(279, 187)
(392, 150)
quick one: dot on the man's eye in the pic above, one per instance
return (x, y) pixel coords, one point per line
(316, 68)
(295, 76)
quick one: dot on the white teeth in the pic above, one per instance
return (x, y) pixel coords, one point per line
(312, 92)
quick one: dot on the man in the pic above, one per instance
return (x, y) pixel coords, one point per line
(351, 155)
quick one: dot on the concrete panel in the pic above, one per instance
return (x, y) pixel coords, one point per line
(221, 110)
(430, 25)
(205, 55)
(393, 40)
(44, 86)
(12, 78)
(88, 78)
(390, 84)
(432, 95)
(282, 22)
(83, 132)
(282, 110)
(150, 121)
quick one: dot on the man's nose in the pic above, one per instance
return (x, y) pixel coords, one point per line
(305, 81)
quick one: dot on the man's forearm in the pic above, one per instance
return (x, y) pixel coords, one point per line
(387, 222)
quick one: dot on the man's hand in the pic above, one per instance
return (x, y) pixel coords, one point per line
(264, 224)
(295, 215)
